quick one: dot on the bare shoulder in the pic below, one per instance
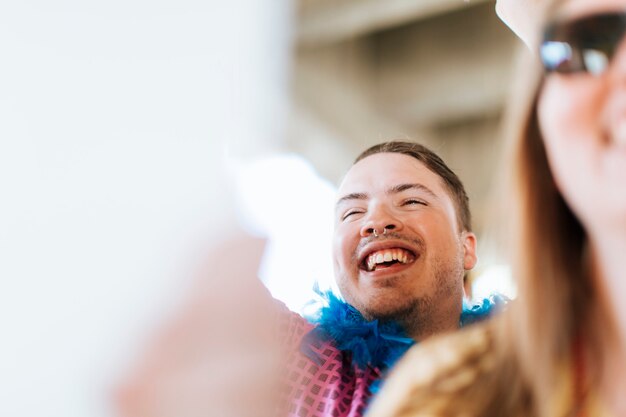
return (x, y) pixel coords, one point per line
(435, 374)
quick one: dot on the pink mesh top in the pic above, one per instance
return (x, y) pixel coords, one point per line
(322, 380)
(331, 388)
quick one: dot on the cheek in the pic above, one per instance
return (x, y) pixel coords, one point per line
(439, 225)
(342, 248)
(440, 234)
(569, 112)
(567, 109)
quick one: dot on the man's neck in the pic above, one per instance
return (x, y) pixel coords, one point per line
(420, 328)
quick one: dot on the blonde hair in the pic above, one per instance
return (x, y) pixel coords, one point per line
(534, 340)
(555, 292)
(554, 289)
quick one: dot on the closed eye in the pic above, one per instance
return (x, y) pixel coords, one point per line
(349, 213)
(414, 201)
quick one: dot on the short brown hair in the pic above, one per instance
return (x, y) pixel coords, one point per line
(434, 163)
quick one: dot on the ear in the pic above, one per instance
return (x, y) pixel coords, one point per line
(469, 250)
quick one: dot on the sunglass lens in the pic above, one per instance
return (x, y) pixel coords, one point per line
(559, 57)
(586, 44)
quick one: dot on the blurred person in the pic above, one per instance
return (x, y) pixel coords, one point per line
(402, 243)
(213, 357)
(115, 116)
(560, 349)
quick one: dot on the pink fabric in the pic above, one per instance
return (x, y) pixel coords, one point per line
(332, 388)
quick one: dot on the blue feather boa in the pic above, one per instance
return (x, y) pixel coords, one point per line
(373, 343)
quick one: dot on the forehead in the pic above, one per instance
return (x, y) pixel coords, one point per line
(380, 171)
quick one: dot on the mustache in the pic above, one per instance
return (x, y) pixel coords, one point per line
(412, 240)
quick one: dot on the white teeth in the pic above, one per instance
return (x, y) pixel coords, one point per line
(387, 255)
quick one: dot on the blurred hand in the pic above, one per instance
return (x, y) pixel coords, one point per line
(218, 357)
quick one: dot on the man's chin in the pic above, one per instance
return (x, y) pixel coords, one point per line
(388, 312)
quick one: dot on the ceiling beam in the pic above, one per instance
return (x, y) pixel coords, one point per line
(323, 22)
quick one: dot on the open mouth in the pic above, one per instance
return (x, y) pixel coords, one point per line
(386, 258)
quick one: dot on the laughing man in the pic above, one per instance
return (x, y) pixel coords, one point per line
(402, 244)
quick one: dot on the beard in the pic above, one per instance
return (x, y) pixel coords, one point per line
(419, 314)
(427, 314)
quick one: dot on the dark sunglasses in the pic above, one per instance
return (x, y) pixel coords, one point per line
(586, 44)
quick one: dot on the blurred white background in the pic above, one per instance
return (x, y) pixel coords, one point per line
(113, 121)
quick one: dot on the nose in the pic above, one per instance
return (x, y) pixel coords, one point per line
(379, 221)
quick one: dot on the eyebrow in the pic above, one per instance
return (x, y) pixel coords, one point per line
(403, 187)
(396, 189)
(352, 196)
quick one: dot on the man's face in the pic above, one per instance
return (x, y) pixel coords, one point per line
(413, 270)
